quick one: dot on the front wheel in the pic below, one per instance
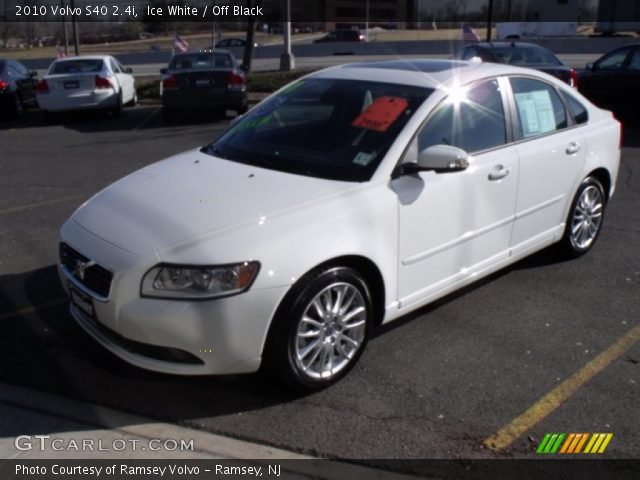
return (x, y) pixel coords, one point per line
(322, 329)
(585, 218)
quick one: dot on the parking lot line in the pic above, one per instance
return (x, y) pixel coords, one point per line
(41, 204)
(147, 118)
(552, 400)
(32, 308)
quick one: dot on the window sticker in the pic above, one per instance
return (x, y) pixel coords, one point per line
(363, 158)
(381, 114)
(536, 112)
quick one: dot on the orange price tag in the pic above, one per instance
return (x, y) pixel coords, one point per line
(381, 114)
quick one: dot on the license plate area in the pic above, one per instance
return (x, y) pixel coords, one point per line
(204, 82)
(82, 301)
(71, 84)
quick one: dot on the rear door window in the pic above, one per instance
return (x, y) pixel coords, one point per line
(540, 110)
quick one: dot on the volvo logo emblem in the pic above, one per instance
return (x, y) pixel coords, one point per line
(81, 267)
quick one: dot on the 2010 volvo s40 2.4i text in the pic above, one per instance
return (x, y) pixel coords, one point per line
(345, 200)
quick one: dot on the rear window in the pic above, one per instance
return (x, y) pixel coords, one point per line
(525, 56)
(201, 61)
(77, 66)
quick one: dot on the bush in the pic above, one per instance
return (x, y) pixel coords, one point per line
(268, 82)
(148, 88)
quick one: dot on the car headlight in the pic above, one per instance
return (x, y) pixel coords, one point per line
(195, 282)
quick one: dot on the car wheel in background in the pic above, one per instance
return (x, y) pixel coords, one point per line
(18, 109)
(585, 218)
(117, 110)
(49, 116)
(169, 114)
(321, 328)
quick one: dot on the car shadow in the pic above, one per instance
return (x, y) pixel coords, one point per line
(139, 118)
(548, 256)
(44, 349)
(631, 133)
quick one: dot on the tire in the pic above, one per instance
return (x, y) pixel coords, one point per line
(311, 346)
(117, 110)
(585, 218)
(48, 116)
(242, 109)
(168, 114)
(18, 109)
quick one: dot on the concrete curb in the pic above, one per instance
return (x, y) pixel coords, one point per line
(207, 445)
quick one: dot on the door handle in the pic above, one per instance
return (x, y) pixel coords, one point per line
(573, 148)
(500, 171)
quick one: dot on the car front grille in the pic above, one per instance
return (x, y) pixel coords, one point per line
(93, 277)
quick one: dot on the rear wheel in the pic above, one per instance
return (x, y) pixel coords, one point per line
(117, 110)
(242, 109)
(168, 114)
(585, 218)
(18, 110)
(322, 328)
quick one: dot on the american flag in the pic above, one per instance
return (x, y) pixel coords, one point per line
(61, 53)
(469, 34)
(180, 43)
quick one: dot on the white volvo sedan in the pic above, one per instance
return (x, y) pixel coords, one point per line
(86, 82)
(345, 200)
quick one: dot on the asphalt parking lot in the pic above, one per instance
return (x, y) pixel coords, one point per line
(440, 383)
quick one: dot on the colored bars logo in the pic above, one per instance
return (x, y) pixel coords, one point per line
(573, 443)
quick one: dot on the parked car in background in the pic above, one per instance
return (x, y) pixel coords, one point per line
(613, 81)
(348, 199)
(17, 88)
(203, 80)
(342, 36)
(86, 82)
(520, 54)
(233, 42)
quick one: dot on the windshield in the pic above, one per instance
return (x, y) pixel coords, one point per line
(339, 129)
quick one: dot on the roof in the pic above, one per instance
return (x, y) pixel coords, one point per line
(427, 73)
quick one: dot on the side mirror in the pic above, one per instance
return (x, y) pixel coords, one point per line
(163, 71)
(590, 66)
(128, 70)
(444, 158)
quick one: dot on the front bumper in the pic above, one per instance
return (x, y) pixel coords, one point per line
(222, 336)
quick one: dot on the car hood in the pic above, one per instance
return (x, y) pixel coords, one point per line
(193, 194)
